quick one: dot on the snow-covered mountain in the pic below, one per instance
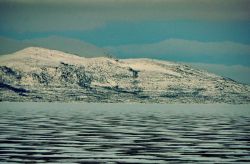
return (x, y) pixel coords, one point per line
(73, 46)
(38, 74)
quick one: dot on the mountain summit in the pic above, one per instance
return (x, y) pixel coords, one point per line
(39, 74)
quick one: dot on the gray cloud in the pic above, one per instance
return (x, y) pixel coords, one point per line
(49, 15)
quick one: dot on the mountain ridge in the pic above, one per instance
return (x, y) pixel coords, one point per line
(39, 74)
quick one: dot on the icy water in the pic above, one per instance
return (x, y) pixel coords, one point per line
(122, 133)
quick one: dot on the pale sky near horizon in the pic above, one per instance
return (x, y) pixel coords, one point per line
(200, 31)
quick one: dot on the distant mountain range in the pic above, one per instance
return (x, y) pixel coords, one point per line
(39, 74)
(73, 46)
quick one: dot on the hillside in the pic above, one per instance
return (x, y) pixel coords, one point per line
(39, 74)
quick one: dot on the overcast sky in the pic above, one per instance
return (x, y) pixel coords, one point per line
(201, 31)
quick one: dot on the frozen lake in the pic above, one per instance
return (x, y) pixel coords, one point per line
(123, 133)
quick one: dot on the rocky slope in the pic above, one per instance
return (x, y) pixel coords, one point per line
(38, 74)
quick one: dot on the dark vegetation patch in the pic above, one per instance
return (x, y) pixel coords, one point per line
(9, 72)
(74, 74)
(15, 89)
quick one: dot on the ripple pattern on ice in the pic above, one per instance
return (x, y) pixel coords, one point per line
(82, 134)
